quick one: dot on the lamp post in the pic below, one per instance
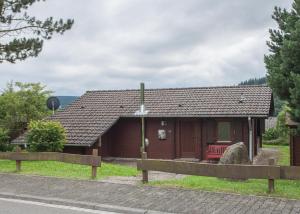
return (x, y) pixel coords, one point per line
(142, 112)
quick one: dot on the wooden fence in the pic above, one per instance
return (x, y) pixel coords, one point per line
(91, 160)
(229, 171)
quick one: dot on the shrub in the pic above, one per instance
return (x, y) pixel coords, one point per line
(281, 126)
(271, 134)
(278, 141)
(45, 136)
(4, 141)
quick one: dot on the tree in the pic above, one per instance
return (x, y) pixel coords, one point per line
(20, 103)
(45, 136)
(283, 63)
(4, 141)
(254, 81)
(16, 23)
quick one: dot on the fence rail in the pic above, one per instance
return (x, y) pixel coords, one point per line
(270, 172)
(91, 160)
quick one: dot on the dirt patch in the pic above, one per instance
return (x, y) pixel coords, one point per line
(153, 175)
(265, 154)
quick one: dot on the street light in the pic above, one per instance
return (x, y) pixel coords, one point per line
(142, 113)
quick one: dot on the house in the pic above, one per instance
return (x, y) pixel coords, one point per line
(181, 122)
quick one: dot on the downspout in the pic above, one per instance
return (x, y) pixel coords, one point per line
(250, 139)
(142, 110)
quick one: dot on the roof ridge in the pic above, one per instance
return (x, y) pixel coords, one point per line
(180, 88)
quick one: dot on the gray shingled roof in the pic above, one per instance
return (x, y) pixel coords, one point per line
(96, 111)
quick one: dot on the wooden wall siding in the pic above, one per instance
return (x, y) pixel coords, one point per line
(246, 133)
(106, 144)
(237, 131)
(198, 130)
(177, 138)
(123, 139)
(126, 140)
(186, 137)
(163, 149)
(295, 150)
(75, 150)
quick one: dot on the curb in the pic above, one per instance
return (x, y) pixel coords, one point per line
(80, 204)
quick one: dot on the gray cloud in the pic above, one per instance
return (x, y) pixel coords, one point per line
(166, 43)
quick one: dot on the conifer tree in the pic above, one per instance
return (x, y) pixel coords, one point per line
(22, 35)
(283, 62)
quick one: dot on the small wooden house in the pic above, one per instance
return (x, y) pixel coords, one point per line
(181, 122)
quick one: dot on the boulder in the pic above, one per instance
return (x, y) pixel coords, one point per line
(235, 154)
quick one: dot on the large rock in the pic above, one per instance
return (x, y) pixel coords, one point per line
(235, 154)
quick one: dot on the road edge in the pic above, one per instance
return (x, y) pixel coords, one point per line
(79, 204)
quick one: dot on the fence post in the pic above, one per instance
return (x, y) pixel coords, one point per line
(18, 162)
(145, 172)
(271, 182)
(94, 168)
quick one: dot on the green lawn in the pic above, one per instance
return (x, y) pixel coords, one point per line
(66, 170)
(284, 154)
(283, 188)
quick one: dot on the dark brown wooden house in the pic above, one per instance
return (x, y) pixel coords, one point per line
(181, 122)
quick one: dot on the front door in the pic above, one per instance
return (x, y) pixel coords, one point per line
(188, 139)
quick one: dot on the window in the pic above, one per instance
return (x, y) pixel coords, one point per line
(224, 131)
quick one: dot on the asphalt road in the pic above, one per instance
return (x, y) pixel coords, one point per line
(13, 206)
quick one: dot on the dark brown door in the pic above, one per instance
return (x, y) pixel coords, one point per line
(188, 139)
(160, 148)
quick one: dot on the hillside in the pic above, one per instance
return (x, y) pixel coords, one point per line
(66, 100)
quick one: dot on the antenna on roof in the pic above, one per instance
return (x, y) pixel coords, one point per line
(53, 103)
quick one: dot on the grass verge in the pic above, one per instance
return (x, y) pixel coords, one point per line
(66, 170)
(283, 188)
(284, 159)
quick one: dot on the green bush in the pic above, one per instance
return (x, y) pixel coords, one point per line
(4, 141)
(278, 141)
(281, 126)
(280, 134)
(271, 134)
(45, 136)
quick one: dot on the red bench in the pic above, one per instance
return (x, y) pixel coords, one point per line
(215, 151)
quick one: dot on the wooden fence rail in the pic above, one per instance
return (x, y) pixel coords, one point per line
(91, 160)
(270, 172)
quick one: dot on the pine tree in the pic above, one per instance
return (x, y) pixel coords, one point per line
(22, 35)
(283, 63)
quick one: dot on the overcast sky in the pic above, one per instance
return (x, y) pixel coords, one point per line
(165, 43)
